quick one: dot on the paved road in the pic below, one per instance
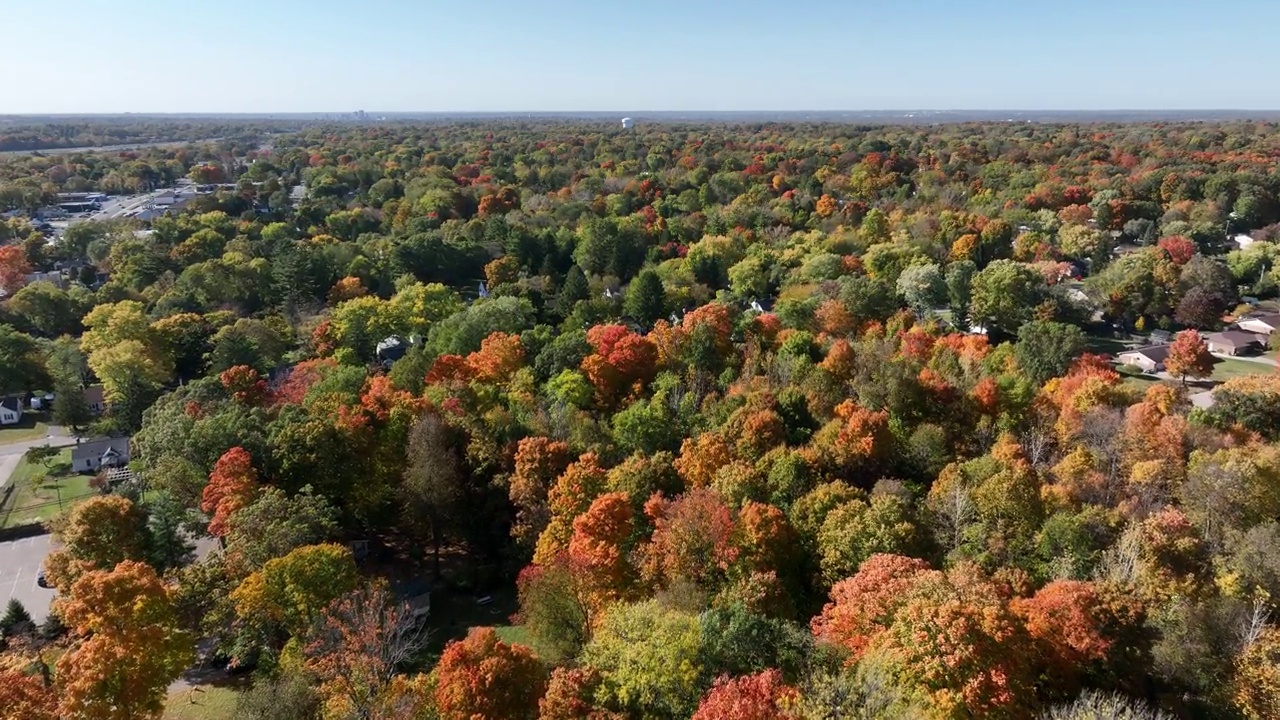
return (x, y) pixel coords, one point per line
(57, 437)
(19, 564)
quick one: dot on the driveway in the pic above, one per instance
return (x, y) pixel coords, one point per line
(1260, 359)
(19, 564)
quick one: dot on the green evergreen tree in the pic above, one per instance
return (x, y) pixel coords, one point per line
(15, 618)
(646, 299)
(575, 289)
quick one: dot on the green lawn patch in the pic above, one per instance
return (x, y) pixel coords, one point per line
(1227, 368)
(1105, 345)
(57, 490)
(203, 702)
(33, 426)
(514, 634)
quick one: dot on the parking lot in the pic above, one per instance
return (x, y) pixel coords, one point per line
(19, 564)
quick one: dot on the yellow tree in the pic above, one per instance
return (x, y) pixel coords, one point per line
(130, 648)
(290, 592)
(96, 535)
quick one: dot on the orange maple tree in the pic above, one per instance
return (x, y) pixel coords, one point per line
(482, 677)
(763, 696)
(13, 268)
(231, 487)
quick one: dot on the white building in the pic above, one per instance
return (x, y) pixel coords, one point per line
(1243, 241)
(628, 123)
(10, 411)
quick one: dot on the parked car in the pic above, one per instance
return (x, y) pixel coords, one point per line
(40, 579)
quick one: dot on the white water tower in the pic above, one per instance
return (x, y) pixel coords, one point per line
(628, 123)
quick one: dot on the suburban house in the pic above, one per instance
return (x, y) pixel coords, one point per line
(94, 455)
(95, 399)
(391, 349)
(1150, 359)
(1263, 323)
(10, 410)
(1233, 342)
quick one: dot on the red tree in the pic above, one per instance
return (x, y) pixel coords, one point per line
(300, 379)
(13, 268)
(762, 696)
(598, 549)
(1180, 248)
(622, 360)
(246, 386)
(499, 356)
(483, 677)
(1077, 624)
(863, 605)
(1189, 357)
(692, 538)
(231, 487)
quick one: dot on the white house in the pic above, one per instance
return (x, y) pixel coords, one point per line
(96, 454)
(1263, 324)
(10, 411)
(1150, 359)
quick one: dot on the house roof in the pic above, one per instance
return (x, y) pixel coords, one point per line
(93, 395)
(1233, 338)
(390, 342)
(1154, 353)
(11, 403)
(97, 448)
(1272, 319)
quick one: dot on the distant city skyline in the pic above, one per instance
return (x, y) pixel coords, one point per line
(390, 56)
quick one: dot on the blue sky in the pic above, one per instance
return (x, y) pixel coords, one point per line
(560, 55)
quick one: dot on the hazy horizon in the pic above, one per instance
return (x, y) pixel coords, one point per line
(511, 57)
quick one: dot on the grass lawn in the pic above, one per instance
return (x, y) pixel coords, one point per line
(454, 612)
(1105, 345)
(514, 634)
(1226, 368)
(215, 703)
(32, 427)
(30, 503)
(1140, 382)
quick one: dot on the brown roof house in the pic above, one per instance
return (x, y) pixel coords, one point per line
(1262, 323)
(1150, 359)
(1233, 342)
(95, 399)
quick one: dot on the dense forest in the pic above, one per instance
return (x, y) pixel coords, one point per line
(798, 421)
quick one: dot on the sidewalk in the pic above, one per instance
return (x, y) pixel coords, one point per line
(8, 463)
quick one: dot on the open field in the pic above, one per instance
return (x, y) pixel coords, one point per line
(204, 702)
(31, 427)
(59, 489)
